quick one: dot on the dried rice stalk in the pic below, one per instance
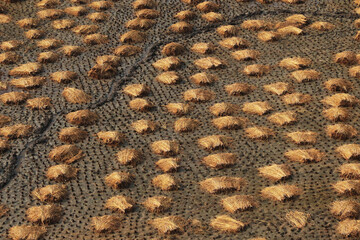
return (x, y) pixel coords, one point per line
(296, 98)
(28, 23)
(208, 6)
(280, 192)
(133, 36)
(165, 182)
(20, 232)
(178, 108)
(257, 70)
(73, 95)
(344, 209)
(238, 203)
(120, 204)
(305, 155)
(50, 193)
(340, 100)
(106, 223)
(168, 164)
(82, 117)
(47, 57)
(322, 26)
(203, 48)
(255, 25)
(76, 10)
(214, 142)
(127, 50)
(223, 109)
(209, 63)
(9, 58)
(341, 131)
(143, 4)
(203, 78)
(63, 24)
(140, 104)
(297, 219)
(297, 20)
(278, 88)
(16, 131)
(303, 137)
(259, 108)
(173, 49)
(63, 76)
(165, 147)
(13, 97)
(185, 125)
(181, 27)
(350, 170)
(45, 214)
(347, 187)
(28, 82)
(234, 43)
(4, 145)
(213, 17)
(338, 85)
(61, 172)
(157, 204)
(47, 3)
(185, 15)
(4, 19)
(295, 63)
(50, 13)
(198, 95)
(101, 5)
(229, 122)
(85, 29)
(97, 17)
(283, 118)
(336, 114)
(227, 30)
(118, 180)
(144, 126)
(4, 120)
(66, 154)
(96, 38)
(30, 68)
(169, 225)
(40, 103)
(275, 172)
(349, 151)
(49, 43)
(305, 75)
(245, 55)
(259, 133)
(136, 90)
(289, 30)
(219, 160)
(227, 224)
(140, 24)
(345, 57)
(147, 13)
(355, 71)
(11, 45)
(349, 227)
(111, 137)
(222, 184)
(238, 89)
(167, 64)
(168, 78)
(129, 156)
(268, 36)
(34, 34)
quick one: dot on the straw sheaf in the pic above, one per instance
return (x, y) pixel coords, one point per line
(227, 224)
(214, 142)
(222, 184)
(305, 155)
(275, 172)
